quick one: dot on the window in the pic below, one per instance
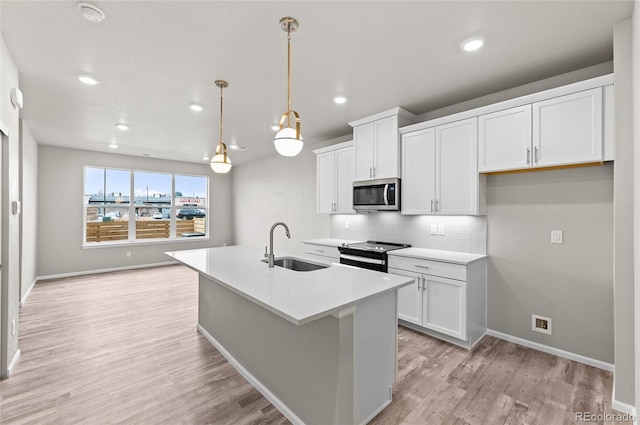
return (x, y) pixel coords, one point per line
(161, 206)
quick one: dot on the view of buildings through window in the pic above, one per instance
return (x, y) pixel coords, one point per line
(163, 205)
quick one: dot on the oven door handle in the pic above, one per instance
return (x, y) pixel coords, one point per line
(384, 195)
(362, 259)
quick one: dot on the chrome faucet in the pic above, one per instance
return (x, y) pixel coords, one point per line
(269, 255)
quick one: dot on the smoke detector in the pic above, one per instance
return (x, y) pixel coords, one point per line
(90, 12)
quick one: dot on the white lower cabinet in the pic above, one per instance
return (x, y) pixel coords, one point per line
(446, 300)
(322, 252)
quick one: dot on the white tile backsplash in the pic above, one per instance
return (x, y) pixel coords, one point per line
(462, 233)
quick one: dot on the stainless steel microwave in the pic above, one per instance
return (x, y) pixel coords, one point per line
(376, 195)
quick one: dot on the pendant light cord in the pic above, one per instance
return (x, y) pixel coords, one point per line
(289, 75)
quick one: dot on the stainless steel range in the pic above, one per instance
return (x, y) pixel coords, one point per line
(368, 255)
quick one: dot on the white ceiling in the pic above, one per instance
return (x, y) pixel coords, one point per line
(154, 58)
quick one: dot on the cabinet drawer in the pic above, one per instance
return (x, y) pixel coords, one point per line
(433, 268)
(324, 251)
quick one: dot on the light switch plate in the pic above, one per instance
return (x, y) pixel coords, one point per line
(556, 236)
(434, 229)
(441, 229)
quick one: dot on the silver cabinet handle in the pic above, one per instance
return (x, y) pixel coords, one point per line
(422, 267)
(419, 283)
(370, 172)
(432, 205)
(320, 250)
(424, 284)
(436, 205)
(528, 156)
(374, 171)
(535, 157)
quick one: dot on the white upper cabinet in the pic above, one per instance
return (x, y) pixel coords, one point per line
(418, 184)
(335, 176)
(568, 129)
(504, 140)
(562, 130)
(457, 178)
(440, 171)
(377, 144)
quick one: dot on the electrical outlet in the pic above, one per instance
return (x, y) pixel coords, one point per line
(441, 229)
(346, 225)
(541, 324)
(556, 236)
(13, 327)
(128, 254)
(434, 229)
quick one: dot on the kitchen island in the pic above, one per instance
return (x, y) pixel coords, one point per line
(319, 345)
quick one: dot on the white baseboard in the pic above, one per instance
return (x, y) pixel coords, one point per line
(26, 295)
(13, 364)
(112, 269)
(551, 350)
(278, 404)
(622, 406)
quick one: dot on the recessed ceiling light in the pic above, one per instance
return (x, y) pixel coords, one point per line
(113, 145)
(122, 126)
(339, 100)
(205, 158)
(90, 12)
(275, 127)
(88, 79)
(474, 43)
(196, 107)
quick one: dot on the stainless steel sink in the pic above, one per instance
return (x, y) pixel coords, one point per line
(297, 264)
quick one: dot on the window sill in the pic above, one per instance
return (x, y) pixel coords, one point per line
(93, 245)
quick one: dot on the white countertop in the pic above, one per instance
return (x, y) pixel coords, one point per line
(299, 297)
(438, 255)
(330, 242)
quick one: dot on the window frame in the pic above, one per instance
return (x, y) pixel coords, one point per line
(131, 210)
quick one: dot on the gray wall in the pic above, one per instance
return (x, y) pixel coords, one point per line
(624, 386)
(29, 217)
(571, 283)
(279, 189)
(10, 223)
(60, 186)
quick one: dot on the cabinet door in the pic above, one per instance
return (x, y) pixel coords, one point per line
(445, 306)
(386, 161)
(568, 129)
(504, 140)
(410, 298)
(345, 175)
(326, 182)
(418, 172)
(457, 178)
(363, 136)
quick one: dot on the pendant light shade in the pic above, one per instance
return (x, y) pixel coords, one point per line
(221, 163)
(288, 141)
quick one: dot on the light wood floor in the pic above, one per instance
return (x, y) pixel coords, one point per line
(122, 348)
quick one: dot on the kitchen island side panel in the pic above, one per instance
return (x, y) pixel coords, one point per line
(328, 371)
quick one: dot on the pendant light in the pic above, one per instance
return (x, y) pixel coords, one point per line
(221, 162)
(288, 141)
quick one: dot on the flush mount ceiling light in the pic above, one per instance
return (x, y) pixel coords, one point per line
(473, 43)
(196, 107)
(339, 99)
(88, 79)
(288, 141)
(122, 126)
(221, 162)
(90, 12)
